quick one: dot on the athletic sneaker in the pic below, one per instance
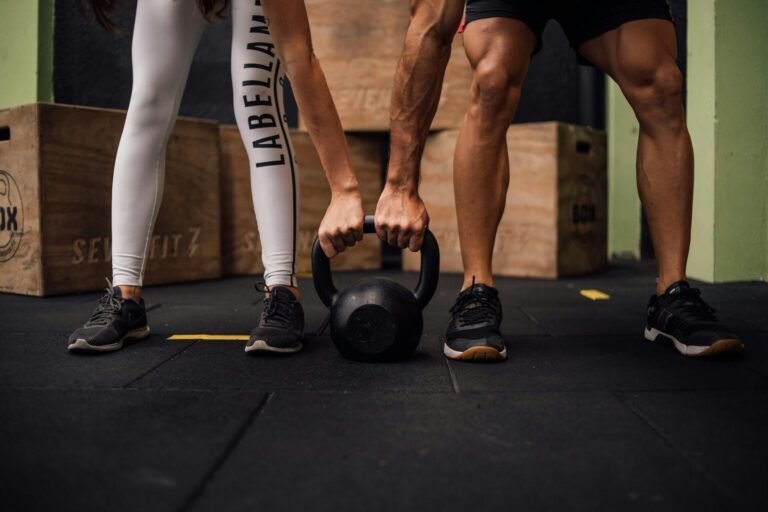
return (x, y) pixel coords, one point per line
(115, 321)
(680, 315)
(474, 327)
(281, 328)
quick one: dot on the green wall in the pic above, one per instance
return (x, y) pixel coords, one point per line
(26, 51)
(728, 119)
(727, 110)
(624, 213)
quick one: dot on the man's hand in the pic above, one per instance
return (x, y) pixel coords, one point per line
(401, 218)
(342, 225)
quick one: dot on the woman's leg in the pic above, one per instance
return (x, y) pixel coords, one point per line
(165, 37)
(257, 85)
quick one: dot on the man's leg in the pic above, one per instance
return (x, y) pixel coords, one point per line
(499, 51)
(640, 56)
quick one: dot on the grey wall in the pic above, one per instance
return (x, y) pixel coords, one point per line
(93, 68)
(558, 88)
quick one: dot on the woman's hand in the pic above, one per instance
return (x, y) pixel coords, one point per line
(342, 225)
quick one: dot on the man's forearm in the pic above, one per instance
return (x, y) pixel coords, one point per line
(417, 85)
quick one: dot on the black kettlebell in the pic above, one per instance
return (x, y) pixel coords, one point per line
(377, 319)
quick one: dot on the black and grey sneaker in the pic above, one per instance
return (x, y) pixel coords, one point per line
(681, 316)
(281, 327)
(474, 327)
(114, 321)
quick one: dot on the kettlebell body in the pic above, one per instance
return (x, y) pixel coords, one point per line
(377, 319)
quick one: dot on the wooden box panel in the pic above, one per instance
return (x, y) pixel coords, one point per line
(68, 217)
(359, 55)
(554, 222)
(241, 250)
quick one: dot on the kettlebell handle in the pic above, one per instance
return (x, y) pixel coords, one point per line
(428, 277)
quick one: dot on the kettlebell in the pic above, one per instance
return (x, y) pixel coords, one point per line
(377, 319)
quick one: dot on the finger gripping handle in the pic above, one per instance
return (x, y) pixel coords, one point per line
(425, 288)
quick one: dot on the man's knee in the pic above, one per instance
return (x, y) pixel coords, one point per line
(495, 88)
(656, 92)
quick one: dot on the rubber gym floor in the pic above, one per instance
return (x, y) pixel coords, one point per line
(584, 415)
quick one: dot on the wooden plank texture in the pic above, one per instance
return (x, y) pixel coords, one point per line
(358, 43)
(21, 268)
(241, 250)
(554, 169)
(77, 148)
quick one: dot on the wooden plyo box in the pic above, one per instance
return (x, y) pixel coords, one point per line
(241, 250)
(358, 43)
(554, 223)
(56, 166)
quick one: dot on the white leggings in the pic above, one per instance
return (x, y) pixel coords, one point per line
(165, 38)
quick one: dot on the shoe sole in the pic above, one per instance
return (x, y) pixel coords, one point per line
(475, 354)
(724, 346)
(81, 345)
(262, 346)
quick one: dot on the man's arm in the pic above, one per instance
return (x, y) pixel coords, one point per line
(342, 224)
(401, 217)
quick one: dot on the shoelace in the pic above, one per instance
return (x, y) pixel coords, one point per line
(692, 307)
(278, 308)
(473, 309)
(109, 306)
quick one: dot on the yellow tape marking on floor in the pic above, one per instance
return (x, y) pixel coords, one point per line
(595, 295)
(208, 337)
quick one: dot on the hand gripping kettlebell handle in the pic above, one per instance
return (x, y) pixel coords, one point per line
(428, 277)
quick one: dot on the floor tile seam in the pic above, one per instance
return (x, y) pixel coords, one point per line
(218, 463)
(328, 391)
(227, 389)
(759, 387)
(161, 363)
(384, 391)
(709, 389)
(211, 390)
(757, 370)
(454, 381)
(681, 452)
(533, 319)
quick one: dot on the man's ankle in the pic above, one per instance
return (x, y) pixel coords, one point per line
(663, 283)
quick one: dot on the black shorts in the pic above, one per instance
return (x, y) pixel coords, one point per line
(581, 20)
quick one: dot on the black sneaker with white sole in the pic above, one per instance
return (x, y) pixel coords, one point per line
(114, 321)
(281, 327)
(474, 327)
(681, 316)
